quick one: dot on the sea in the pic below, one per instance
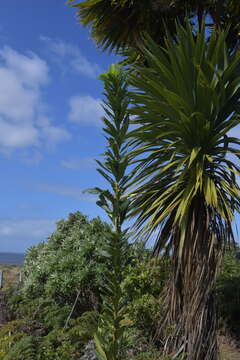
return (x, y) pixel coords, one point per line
(11, 259)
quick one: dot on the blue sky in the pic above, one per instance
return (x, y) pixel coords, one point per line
(50, 128)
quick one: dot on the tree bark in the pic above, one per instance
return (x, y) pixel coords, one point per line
(189, 322)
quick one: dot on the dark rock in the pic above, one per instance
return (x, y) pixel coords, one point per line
(89, 352)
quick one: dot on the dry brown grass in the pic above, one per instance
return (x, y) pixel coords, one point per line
(228, 350)
(228, 353)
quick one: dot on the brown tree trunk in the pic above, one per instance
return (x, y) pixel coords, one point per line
(189, 322)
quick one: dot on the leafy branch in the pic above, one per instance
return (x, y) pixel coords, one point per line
(115, 169)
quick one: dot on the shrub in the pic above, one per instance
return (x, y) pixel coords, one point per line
(228, 294)
(68, 263)
(142, 286)
(25, 348)
(24, 340)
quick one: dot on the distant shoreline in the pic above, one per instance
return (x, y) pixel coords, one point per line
(7, 258)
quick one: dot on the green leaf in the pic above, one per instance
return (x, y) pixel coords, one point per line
(100, 347)
(193, 155)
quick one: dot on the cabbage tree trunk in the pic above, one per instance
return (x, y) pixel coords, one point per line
(189, 323)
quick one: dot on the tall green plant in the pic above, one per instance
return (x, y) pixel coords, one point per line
(186, 103)
(114, 168)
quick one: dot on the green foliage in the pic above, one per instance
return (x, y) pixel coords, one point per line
(60, 345)
(143, 281)
(120, 24)
(46, 315)
(25, 349)
(114, 168)
(142, 285)
(145, 313)
(228, 294)
(70, 261)
(16, 340)
(146, 276)
(103, 15)
(23, 340)
(8, 338)
(185, 102)
(156, 355)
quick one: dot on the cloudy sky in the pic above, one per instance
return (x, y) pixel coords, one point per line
(50, 128)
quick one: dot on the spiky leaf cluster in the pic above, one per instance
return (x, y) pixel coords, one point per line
(116, 158)
(187, 103)
(120, 24)
(114, 168)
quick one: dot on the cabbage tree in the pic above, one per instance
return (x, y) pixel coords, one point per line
(120, 24)
(186, 105)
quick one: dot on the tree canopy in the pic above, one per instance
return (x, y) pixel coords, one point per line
(120, 24)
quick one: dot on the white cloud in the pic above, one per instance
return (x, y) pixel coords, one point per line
(69, 56)
(51, 133)
(18, 234)
(15, 135)
(17, 101)
(84, 163)
(85, 109)
(68, 191)
(55, 134)
(23, 77)
(32, 70)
